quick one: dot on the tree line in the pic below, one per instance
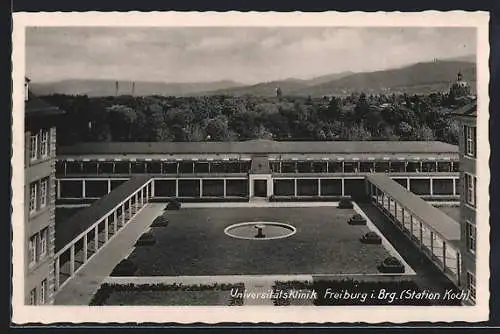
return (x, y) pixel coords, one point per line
(229, 118)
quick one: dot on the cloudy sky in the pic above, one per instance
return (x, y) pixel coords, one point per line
(246, 55)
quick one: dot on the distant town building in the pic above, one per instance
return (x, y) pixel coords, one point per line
(460, 88)
(279, 93)
(40, 195)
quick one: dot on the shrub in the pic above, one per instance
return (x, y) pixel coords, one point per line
(146, 239)
(345, 203)
(371, 238)
(173, 205)
(391, 265)
(125, 268)
(357, 219)
(160, 221)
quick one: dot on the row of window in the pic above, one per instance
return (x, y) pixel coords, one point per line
(470, 235)
(40, 297)
(471, 286)
(39, 195)
(470, 140)
(189, 167)
(39, 145)
(38, 246)
(363, 167)
(470, 189)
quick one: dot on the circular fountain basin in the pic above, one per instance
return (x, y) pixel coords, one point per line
(270, 230)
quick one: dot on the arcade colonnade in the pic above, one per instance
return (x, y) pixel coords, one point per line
(436, 234)
(243, 186)
(100, 222)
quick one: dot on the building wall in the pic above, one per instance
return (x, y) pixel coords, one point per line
(467, 212)
(42, 218)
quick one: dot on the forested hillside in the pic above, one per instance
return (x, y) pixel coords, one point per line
(228, 118)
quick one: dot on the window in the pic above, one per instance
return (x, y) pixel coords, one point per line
(43, 193)
(33, 147)
(470, 231)
(470, 141)
(32, 197)
(44, 234)
(33, 297)
(471, 286)
(32, 250)
(44, 143)
(470, 189)
(43, 291)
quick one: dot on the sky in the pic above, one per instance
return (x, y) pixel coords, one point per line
(246, 55)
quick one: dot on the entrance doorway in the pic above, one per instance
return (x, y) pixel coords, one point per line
(260, 188)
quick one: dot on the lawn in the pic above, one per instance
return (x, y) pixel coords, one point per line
(194, 244)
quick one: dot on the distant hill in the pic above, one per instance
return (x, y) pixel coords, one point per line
(421, 77)
(260, 89)
(94, 88)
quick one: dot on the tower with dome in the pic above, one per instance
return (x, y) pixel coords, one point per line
(460, 88)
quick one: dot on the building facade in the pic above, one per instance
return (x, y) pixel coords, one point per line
(39, 221)
(468, 155)
(259, 168)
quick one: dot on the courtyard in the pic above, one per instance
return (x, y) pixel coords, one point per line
(194, 244)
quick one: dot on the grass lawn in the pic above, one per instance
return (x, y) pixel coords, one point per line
(188, 298)
(194, 244)
(451, 211)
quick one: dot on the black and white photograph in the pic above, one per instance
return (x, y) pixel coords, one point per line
(222, 161)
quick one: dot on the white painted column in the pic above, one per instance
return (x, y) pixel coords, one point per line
(225, 186)
(408, 183)
(106, 229)
(83, 188)
(142, 196)
(153, 188)
(136, 204)
(85, 247)
(57, 272)
(201, 188)
(109, 186)
(96, 238)
(58, 189)
(454, 186)
(129, 208)
(431, 186)
(342, 184)
(123, 214)
(72, 260)
(176, 188)
(295, 187)
(319, 187)
(115, 221)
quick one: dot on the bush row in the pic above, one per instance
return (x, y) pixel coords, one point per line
(107, 289)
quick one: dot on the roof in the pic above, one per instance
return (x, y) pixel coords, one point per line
(436, 219)
(85, 218)
(36, 106)
(469, 110)
(260, 147)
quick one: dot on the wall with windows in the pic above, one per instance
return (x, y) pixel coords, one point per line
(39, 214)
(468, 200)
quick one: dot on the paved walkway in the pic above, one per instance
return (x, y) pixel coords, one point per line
(81, 288)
